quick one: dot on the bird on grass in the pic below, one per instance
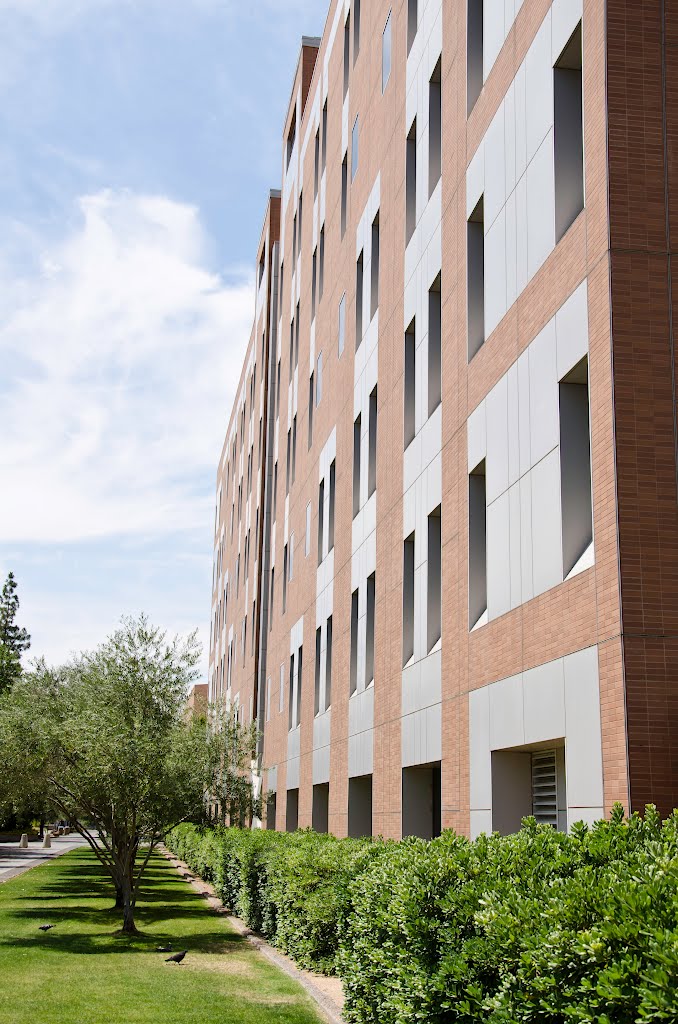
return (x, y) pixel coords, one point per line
(45, 927)
(177, 958)
(164, 949)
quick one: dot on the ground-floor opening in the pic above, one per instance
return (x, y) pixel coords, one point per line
(321, 807)
(529, 782)
(421, 801)
(271, 807)
(292, 812)
(360, 806)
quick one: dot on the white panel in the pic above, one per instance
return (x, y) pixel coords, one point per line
(547, 556)
(572, 330)
(539, 88)
(521, 234)
(495, 273)
(498, 569)
(541, 209)
(493, 33)
(477, 442)
(521, 122)
(495, 168)
(526, 582)
(565, 15)
(475, 180)
(511, 250)
(510, 138)
(506, 713)
(481, 822)
(524, 443)
(480, 782)
(513, 424)
(497, 472)
(544, 702)
(514, 546)
(583, 750)
(544, 406)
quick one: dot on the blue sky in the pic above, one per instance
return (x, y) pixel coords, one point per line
(138, 139)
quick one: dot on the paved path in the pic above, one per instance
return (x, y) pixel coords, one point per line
(14, 860)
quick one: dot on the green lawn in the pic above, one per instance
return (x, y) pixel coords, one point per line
(81, 973)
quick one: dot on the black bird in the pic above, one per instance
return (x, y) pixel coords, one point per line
(45, 927)
(177, 958)
(164, 949)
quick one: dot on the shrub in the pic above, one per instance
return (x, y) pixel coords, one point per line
(535, 927)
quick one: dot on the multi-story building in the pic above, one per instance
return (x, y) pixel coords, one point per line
(446, 544)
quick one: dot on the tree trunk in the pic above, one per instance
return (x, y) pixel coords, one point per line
(119, 901)
(128, 901)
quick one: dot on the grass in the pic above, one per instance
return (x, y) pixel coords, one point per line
(80, 972)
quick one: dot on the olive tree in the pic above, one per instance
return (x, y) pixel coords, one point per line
(108, 742)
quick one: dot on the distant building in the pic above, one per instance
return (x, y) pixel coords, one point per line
(196, 703)
(446, 537)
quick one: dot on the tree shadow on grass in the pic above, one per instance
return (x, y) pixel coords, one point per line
(106, 943)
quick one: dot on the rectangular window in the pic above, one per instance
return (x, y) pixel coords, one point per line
(284, 580)
(319, 379)
(328, 664)
(344, 193)
(347, 56)
(575, 466)
(354, 149)
(294, 242)
(321, 263)
(408, 599)
(300, 657)
(372, 446)
(475, 257)
(271, 609)
(318, 652)
(342, 323)
(435, 124)
(311, 403)
(434, 581)
(314, 277)
(290, 703)
(289, 456)
(359, 302)
(292, 349)
(386, 53)
(434, 346)
(477, 546)
(568, 134)
(356, 466)
(333, 487)
(369, 631)
(294, 449)
(409, 385)
(412, 17)
(301, 208)
(356, 29)
(411, 182)
(291, 136)
(474, 52)
(297, 321)
(324, 146)
(374, 276)
(316, 164)
(321, 520)
(354, 643)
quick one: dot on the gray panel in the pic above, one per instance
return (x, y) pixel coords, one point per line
(544, 425)
(544, 702)
(498, 565)
(497, 471)
(582, 715)
(547, 558)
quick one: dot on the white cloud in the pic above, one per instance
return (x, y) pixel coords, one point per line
(120, 358)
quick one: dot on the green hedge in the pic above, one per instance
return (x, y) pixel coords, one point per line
(538, 926)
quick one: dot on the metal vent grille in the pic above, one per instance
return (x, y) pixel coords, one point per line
(545, 788)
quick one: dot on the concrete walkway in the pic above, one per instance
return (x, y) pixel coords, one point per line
(14, 861)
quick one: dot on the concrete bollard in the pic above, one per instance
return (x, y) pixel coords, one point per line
(47, 843)
(23, 842)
